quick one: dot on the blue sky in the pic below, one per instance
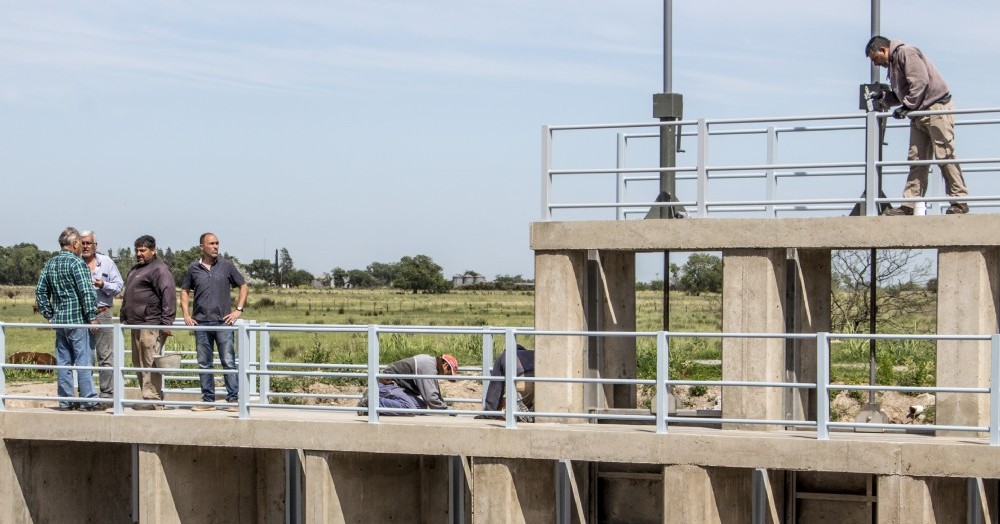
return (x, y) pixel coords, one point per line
(359, 131)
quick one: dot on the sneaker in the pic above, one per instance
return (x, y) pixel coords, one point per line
(71, 407)
(93, 407)
(232, 408)
(898, 212)
(202, 407)
(957, 209)
(148, 407)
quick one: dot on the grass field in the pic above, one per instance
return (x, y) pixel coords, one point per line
(899, 362)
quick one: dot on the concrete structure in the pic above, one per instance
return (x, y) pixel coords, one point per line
(312, 466)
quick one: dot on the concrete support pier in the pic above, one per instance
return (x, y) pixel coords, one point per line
(513, 491)
(618, 359)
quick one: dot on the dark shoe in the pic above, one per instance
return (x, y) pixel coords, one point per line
(71, 407)
(898, 212)
(957, 209)
(148, 407)
(93, 407)
(488, 417)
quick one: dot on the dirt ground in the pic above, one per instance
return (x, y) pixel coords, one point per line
(843, 408)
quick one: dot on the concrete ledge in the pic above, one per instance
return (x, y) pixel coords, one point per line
(882, 454)
(736, 233)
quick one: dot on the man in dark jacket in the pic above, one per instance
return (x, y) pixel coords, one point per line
(150, 298)
(917, 86)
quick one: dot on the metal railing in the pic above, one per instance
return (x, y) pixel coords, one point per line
(370, 372)
(861, 172)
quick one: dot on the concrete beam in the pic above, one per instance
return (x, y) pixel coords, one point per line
(753, 301)
(753, 233)
(968, 292)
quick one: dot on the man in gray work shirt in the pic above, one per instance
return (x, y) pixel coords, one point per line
(414, 393)
(210, 278)
(108, 284)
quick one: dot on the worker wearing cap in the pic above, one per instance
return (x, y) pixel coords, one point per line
(422, 392)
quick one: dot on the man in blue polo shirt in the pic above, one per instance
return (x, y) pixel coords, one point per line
(211, 278)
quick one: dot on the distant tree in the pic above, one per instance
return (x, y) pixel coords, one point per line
(125, 260)
(420, 273)
(652, 285)
(178, 261)
(20, 265)
(895, 304)
(932, 284)
(339, 275)
(508, 282)
(285, 265)
(359, 278)
(261, 269)
(383, 274)
(701, 273)
(675, 274)
(298, 277)
(325, 279)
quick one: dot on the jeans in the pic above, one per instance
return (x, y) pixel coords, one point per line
(224, 341)
(73, 349)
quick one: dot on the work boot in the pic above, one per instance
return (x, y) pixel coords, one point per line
(898, 212)
(957, 209)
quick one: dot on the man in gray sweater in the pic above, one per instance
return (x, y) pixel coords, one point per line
(414, 393)
(150, 298)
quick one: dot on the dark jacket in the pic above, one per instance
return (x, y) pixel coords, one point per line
(150, 296)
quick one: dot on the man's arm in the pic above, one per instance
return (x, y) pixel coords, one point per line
(168, 296)
(184, 308)
(114, 284)
(42, 291)
(241, 302)
(85, 291)
(917, 77)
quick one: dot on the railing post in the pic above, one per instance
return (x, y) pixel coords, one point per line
(662, 374)
(871, 169)
(702, 170)
(117, 376)
(620, 177)
(995, 390)
(772, 183)
(546, 175)
(3, 368)
(822, 385)
(510, 371)
(254, 347)
(243, 347)
(373, 350)
(265, 365)
(487, 359)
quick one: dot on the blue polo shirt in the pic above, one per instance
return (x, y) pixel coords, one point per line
(211, 287)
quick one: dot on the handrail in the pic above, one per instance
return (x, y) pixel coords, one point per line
(371, 371)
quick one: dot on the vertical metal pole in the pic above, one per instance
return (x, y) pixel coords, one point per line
(265, 365)
(822, 385)
(872, 320)
(620, 186)
(487, 359)
(293, 487)
(373, 350)
(995, 390)
(546, 172)
(702, 168)
(117, 374)
(135, 482)
(875, 23)
(509, 372)
(241, 368)
(668, 41)
(759, 501)
(456, 490)
(3, 368)
(563, 513)
(772, 183)
(662, 374)
(974, 501)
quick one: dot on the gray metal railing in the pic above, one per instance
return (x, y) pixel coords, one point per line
(370, 372)
(701, 171)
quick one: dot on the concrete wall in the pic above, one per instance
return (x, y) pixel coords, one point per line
(811, 315)
(370, 487)
(43, 481)
(708, 494)
(968, 291)
(922, 499)
(559, 305)
(753, 301)
(210, 484)
(513, 491)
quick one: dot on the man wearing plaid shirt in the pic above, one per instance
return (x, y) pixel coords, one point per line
(65, 295)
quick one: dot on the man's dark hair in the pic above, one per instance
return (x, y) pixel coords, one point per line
(877, 42)
(201, 239)
(146, 241)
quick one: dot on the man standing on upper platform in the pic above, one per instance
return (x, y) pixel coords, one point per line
(917, 86)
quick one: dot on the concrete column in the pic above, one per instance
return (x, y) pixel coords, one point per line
(941, 500)
(619, 360)
(345, 487)
(753, 296)
(967, 305)
(708, 494)
(210, 484)
(811, 315)
(559, 299)
(65, 481)
(514, 491)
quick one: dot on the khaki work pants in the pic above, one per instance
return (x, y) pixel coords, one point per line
(933, 136)
(146, 344)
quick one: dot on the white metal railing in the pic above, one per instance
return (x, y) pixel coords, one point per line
(863, 171)
(371, 371)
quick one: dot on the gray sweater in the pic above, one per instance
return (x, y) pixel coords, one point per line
(914, 80)
(427, 388)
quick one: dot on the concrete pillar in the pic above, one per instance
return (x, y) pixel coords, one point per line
(967, 305)
(514, 491)
(811, 315)
(559, 299)
(941, 500)
(345, 487)
(44, 481)
(619, 360)
(709, 494)
(210, 484)
(753, 297)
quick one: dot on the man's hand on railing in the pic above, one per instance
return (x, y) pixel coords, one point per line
(901, 112)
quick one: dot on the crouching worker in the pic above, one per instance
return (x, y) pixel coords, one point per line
(496, 394)
(413, 393)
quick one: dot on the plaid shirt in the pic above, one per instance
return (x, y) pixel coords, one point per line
(65, 292)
